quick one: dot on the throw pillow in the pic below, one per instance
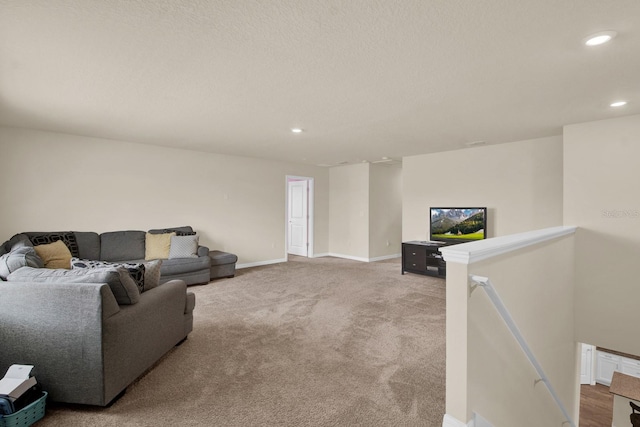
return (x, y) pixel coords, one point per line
(119, 280)
(157, 246)
(68, 238)
(136, 270)
(180, 231)
(183, 247)
(54, 255)
(152, 274)
(20, 256)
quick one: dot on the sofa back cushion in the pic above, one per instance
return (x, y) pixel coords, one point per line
(88, 244)
(122, 245)
(119, 280)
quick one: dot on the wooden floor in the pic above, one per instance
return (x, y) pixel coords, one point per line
(596, 406)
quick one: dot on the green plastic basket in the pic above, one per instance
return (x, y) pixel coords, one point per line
(27, 415)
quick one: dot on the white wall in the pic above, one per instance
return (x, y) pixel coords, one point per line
(349, 211)
(487, 371)
(601, 166)
(55, 182)
(385, 210)
(520, 183)
(365, 211)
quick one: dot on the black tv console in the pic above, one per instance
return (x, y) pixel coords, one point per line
(422, 257)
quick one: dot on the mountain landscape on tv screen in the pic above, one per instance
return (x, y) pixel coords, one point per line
(464, 224)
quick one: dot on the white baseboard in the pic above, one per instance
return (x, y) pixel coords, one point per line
(449, 421)
(259, 263)
(277, 261)
(382, 258)
(321, 255)
(356, 258)
(478, 421)
(353, 258)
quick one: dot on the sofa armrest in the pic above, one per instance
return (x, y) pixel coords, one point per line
(56, 327)
(137, 336)
(203, 251)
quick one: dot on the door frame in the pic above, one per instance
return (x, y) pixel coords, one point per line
(310, 213)
(591, 367)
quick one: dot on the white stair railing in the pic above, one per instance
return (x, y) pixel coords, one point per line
(486, 284)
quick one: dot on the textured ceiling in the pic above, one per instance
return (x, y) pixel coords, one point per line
(363, 78)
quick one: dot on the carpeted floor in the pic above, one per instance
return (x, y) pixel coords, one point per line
(310, 342)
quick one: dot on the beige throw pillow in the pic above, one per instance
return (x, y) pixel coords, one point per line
(54, 255)
(157, 246)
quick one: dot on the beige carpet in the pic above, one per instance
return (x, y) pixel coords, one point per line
(310, 342)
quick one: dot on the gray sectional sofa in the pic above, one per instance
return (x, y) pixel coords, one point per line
(117, 246)
(88, 344)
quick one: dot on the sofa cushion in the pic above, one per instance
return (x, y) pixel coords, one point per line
(67, 237)
(136, 270)
(88, 244)
(183, 247)
(54, 255)
(171, 267)
(20, 256)
(119, 280)
(157, 246)
(122, 245)
(222, 258)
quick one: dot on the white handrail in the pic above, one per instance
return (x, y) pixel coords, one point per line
(485, 284)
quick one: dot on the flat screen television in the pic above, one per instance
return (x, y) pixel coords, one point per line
(458, 225)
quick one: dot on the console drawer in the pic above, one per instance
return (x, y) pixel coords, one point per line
(415, 258)
(423, 258)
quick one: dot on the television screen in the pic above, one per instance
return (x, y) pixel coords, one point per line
(458, 225)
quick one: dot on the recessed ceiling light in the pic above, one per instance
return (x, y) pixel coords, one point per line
(296, 130)
(599, 38)
(618, 104)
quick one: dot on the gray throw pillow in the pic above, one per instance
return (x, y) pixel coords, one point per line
(20, 256)
(118, 279)
(180, 231)
(145, 274)
(152, 274)
(183, 247)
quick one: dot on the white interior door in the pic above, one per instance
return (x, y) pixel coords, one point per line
(586, 364)
(298, 218)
